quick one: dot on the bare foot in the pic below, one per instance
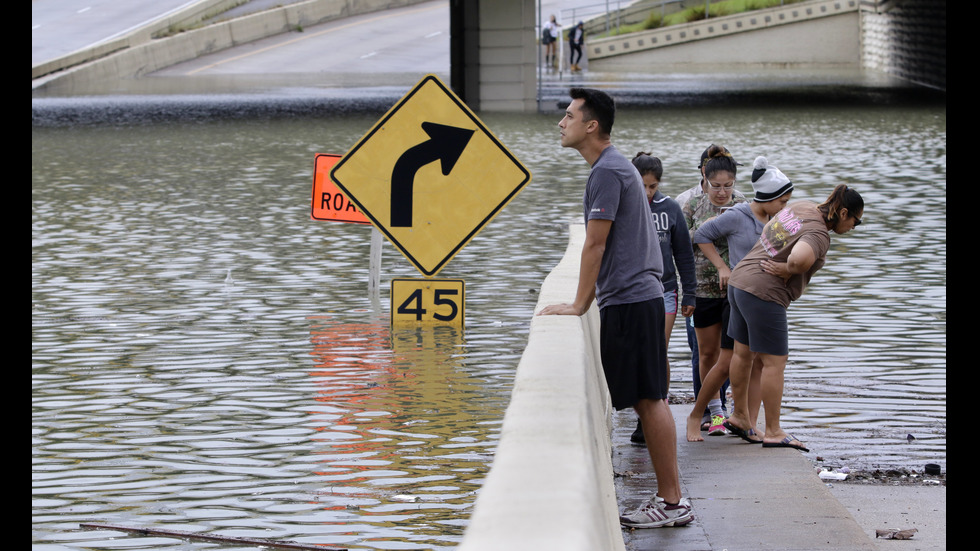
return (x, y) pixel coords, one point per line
(694, 428)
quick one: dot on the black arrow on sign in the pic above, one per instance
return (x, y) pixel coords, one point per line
(445, 143)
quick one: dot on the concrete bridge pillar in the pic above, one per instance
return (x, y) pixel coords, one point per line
(494, 54)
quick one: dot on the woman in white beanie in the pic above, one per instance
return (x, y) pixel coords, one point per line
(740, 226)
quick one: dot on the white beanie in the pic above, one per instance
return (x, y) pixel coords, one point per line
(768, 182)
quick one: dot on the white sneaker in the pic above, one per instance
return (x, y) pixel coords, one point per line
(656, 513)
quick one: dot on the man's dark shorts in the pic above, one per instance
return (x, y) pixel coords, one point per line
(634, 352)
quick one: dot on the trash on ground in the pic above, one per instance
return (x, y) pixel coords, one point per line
(832, 475)
(889, 534)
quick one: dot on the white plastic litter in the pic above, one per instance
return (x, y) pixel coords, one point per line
(832, 475)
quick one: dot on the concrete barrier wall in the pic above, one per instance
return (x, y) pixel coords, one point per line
(138, 60)
(819, 33)
(189, 15)
(551, 484)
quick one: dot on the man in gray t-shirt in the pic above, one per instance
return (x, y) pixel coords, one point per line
(632, 265)
(621, 266)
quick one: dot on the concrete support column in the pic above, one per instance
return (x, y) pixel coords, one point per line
(493, 63)
(464, 54)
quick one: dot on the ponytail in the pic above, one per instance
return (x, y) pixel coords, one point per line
(841, 198)
(648, 164)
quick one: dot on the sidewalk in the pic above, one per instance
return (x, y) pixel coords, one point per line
(749, 498)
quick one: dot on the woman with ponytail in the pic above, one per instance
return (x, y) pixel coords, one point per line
(792, 247)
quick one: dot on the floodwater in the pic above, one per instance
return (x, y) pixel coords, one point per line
(207, 358)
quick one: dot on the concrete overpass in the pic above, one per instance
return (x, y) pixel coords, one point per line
(494, 51)
(902, 38)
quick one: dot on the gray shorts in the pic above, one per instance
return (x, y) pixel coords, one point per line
(670, 302)
(758, 323)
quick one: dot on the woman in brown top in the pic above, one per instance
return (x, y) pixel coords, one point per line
(792, 247)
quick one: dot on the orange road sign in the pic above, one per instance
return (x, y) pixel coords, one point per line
(329, 203)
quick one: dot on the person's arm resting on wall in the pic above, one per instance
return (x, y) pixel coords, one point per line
(596, 233)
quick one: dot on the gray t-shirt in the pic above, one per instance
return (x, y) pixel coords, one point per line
(738, 225)
(632, 265)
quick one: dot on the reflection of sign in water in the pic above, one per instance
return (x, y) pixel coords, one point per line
(430, 175)
(427, 301)
(328, 202)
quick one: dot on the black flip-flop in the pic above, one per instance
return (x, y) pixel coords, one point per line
(742, 433)
(787, 443)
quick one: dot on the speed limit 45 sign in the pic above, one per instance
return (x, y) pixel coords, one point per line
(427, 301)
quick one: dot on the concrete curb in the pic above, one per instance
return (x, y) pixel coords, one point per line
(551, 484)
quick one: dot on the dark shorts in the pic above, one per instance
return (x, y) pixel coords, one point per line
(634, 352)
(710, 311)
(758, 323)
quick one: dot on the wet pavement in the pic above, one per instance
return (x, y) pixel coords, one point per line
(746, 497)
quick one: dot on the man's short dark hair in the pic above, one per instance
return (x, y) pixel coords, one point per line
(598, 106)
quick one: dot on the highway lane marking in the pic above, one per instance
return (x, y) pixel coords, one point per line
(145, 23)
(314, 35)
